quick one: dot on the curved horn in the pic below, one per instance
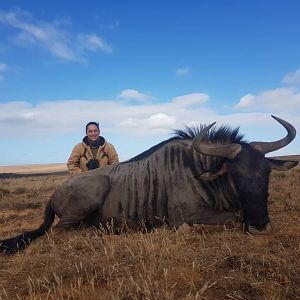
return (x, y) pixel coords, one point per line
(206, 129)
(218, 150)
(266, 147)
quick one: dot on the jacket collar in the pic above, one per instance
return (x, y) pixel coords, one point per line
(99, 143)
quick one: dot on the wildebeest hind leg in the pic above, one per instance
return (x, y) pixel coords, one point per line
(77, 212)
(68, 222)
(79, 198)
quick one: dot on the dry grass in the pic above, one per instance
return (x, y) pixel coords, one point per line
(209, 262)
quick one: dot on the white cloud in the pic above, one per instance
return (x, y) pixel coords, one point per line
(278, 100)
(161, 121)
(190, 99)
(66, 116)
(129, 123)
(292, 78)
(149, 123)
(53, 118)
(3, 68)
(182, 71)
(93, 42)
(158, 122)
(54, 37)
(246, 101)
(133, 95)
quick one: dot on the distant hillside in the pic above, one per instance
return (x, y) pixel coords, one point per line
(62, 167)
(290, 157)
(34, 169)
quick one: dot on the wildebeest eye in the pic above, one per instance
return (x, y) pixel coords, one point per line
(213, 174)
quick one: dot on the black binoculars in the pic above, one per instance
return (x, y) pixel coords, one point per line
(92, 164)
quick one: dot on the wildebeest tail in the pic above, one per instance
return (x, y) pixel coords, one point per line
(19, 242)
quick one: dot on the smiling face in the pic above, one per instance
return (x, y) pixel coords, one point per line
(93, 132)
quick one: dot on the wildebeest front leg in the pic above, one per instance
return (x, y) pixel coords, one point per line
(210, 216)
(202, 215)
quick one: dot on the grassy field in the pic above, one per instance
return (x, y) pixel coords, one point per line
(207, 262)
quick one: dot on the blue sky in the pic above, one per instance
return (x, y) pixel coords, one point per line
(143, 68)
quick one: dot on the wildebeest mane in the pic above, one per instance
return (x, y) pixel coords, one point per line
(222, 135)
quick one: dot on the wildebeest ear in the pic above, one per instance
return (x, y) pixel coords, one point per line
(211, 175)
(282, 165)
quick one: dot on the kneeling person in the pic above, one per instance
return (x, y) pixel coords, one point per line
(93, 152)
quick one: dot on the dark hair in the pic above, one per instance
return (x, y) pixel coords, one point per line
(91, 123)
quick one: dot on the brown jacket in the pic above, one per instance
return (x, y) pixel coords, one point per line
(81, 154)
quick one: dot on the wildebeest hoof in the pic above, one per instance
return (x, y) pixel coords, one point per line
(267, 229)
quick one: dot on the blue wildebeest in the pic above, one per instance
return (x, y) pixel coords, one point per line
(200, 176)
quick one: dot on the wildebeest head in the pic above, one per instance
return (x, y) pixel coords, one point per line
(248, 170)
